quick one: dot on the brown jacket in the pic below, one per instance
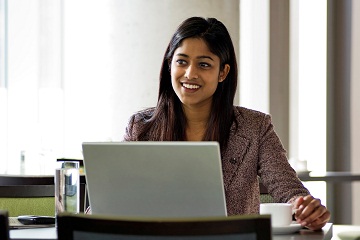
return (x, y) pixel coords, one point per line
(253, 150)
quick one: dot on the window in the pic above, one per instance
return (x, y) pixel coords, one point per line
(31, 83)
(73, 79)
(60, 81)
(311, 70)
(307, 76)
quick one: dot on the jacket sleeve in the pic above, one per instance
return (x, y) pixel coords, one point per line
(274, 169)
(129, 130)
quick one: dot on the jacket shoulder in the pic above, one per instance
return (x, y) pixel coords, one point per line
(247, 115)
(136, 123)
(142, 115)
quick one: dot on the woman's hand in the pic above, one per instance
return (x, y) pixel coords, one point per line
(310, 213)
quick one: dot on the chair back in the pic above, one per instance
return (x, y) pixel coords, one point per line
(4, 225)
(27, 195)
(31, 195)
(80, 226)
(265, 197)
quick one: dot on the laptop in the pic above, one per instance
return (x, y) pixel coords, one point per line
(155, 179)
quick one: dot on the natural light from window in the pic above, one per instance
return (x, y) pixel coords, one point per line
(307, 73)
(312, 89)
(37, 106)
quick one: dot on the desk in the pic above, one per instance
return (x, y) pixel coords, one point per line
(50, 234)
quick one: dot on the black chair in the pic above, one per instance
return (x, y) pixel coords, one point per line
(80, 226)
(4, 225)
(32, 195)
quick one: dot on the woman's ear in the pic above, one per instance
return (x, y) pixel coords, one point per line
(224, 72)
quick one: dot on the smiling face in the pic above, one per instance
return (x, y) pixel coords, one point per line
(195, 73)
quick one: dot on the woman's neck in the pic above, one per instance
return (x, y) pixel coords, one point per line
(197, 122)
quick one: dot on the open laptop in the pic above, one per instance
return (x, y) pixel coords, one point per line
(155, 179)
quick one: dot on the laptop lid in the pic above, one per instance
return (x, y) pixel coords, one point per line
(155, 179)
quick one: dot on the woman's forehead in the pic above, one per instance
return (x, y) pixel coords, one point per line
(193, 47)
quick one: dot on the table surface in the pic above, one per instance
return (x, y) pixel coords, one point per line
(327, 233)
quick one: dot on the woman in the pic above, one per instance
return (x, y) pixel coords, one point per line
(198, 82)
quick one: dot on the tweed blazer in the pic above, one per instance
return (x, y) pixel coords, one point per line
(254, 150)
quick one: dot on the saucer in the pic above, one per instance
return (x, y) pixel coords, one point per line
(350, 235)
(294, 227)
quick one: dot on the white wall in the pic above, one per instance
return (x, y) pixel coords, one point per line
(112, 63)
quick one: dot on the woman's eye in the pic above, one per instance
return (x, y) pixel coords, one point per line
(204, 65)
(180, 62)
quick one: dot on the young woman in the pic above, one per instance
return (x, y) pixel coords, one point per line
(198, 82)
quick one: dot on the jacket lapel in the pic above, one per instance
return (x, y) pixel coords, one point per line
(233, 157)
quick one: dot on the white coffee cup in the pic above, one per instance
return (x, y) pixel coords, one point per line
(281, 213)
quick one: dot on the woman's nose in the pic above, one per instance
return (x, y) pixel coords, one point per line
(191, 72)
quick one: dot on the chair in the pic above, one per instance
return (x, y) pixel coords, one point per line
(4, 225)
(27, 195)
(80, 226)
(265, 197)
(31, 195)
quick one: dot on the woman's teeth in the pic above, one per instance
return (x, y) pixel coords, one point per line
(190, 86)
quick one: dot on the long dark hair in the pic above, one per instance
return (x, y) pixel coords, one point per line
(168, 122)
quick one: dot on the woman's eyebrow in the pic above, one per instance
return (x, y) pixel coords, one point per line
(182, 55)
(208, 57)
(198, 57)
